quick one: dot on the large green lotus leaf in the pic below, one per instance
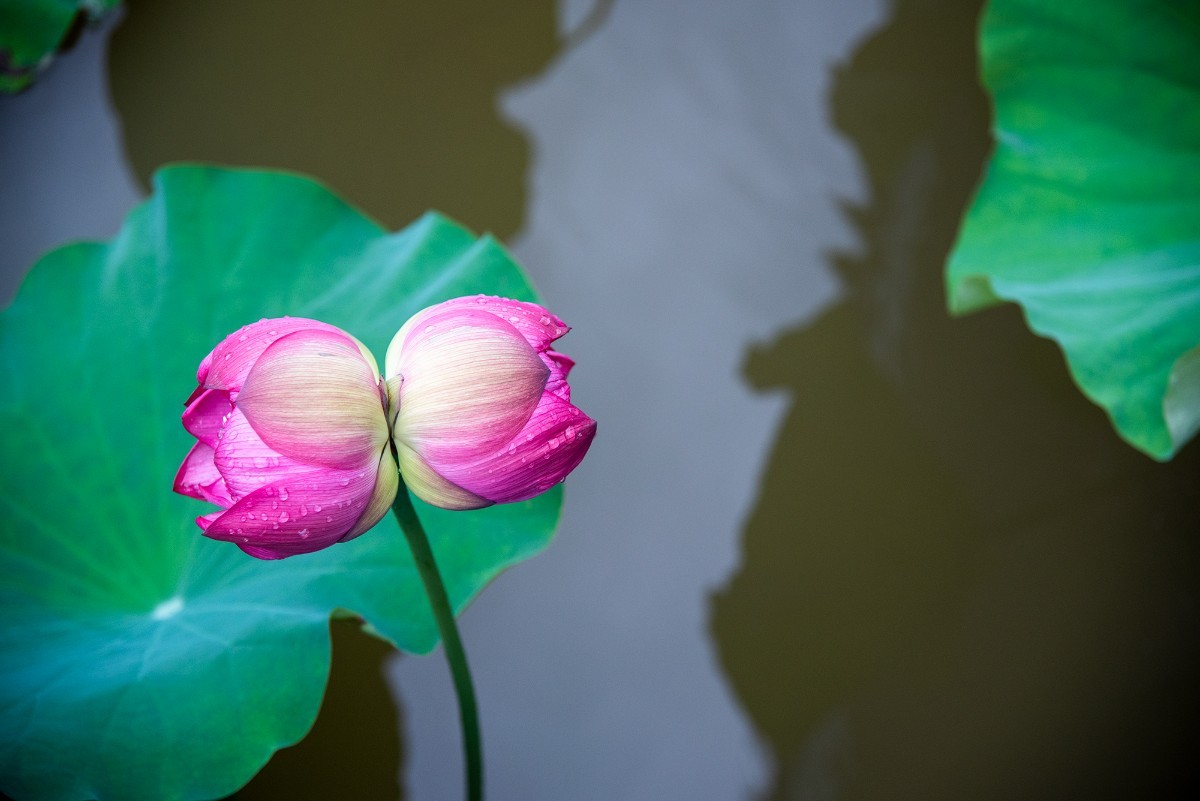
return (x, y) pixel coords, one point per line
(1089, 214)
(31, 32)
(139, 660)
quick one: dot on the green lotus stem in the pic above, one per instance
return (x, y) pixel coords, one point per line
(443, 613)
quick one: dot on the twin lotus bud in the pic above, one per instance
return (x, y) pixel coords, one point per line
(298, 437)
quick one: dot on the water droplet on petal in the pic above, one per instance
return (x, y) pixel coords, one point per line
(429, 329)
(317, 507)
(303, 510)
(545, 320)
(514, 319)
(243, 338)
(275, 526)
(328, 519)
(283, 493)
(227, 355)
(553, 444)
(569, 433)
(345, 482)
(284, 516)
(303, 533)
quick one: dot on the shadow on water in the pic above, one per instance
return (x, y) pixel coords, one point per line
(354, 749)
(957, 583)
(393, 104)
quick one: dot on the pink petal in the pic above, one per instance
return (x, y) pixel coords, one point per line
(204, 521)
(549, 447)
(387, 482)
(230, 361)
(247, 463)
(535, 324)
(468, 382)
(432, 488)
(303, 513)
(206, 413)
(198, 476)
(559, 365)
(313, 396)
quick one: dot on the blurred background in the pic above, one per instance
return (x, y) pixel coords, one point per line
(829, 542)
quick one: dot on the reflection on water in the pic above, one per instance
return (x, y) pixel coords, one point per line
(958, 583)
(391, 103)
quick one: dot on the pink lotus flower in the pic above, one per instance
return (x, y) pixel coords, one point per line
(292, 439)
(481, 410)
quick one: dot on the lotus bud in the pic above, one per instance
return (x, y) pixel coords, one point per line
(292, 439)
(480, 407)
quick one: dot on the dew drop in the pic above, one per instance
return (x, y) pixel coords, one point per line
(514, 319)
(243, 338)
(529, 437)
(345, 482)
(328, 519)
(429, 329)
(273, 334)
(545, 320)
(316, 507)
(553, 443)
(302, 533)
(284, 516)
(303, 510)
(283, 493)
(227, 355)
(245, 539)
(569, 432)
(275, 526)
(274, 505)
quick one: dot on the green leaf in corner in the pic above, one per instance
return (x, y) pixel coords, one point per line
(139, 660)
(32, 31)
(1089, 214)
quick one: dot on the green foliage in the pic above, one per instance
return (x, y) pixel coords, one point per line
(1089, 214)
(139, 660)
(32, 31)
